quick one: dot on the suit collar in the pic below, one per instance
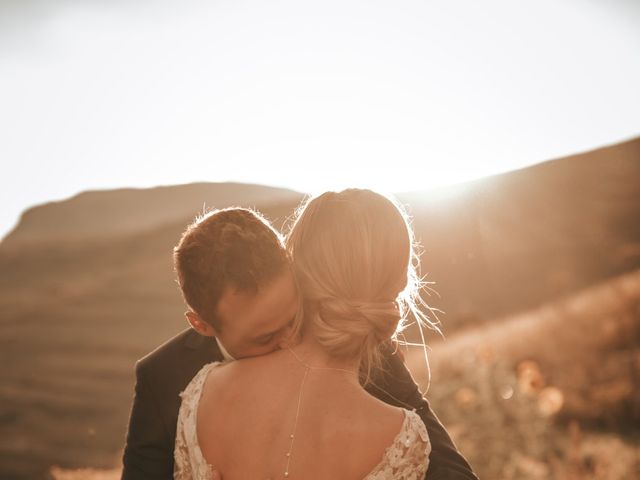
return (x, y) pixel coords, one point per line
(194, 341)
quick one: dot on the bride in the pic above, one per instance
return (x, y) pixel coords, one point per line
(302, 412)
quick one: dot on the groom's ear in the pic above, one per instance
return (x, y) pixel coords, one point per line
(199, 325)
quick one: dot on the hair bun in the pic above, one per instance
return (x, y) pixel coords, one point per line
(345, 326)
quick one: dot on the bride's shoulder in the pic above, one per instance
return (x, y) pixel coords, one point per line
(414, 425)
(197, 382)
(414, 440)
(407, 456)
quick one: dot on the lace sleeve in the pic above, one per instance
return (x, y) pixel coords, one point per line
(182, 465)
(189, 464)
(408, 457)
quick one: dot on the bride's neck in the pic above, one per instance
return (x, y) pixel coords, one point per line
(313, 354)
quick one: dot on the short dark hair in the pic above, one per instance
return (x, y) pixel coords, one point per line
(233, 247)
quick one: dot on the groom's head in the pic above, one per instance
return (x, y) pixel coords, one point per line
(234, 274)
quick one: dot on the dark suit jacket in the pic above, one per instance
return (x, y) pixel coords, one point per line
(165, 372)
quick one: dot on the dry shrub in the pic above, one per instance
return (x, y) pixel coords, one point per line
(550, 394)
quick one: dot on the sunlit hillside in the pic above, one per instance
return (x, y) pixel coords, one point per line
(510, 242)
(87, 287)
(552, 393)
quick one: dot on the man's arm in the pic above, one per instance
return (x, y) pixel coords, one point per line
(149, 450)
(395, 386)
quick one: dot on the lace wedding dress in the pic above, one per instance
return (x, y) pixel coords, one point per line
(406, 458)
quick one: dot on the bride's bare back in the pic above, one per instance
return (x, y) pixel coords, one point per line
(247, 413)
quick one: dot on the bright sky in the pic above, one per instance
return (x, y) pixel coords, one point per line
(398, 96)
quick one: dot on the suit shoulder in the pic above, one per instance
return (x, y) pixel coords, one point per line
(391, 353)
(166, 353)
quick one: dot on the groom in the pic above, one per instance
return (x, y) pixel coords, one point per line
(234, 274)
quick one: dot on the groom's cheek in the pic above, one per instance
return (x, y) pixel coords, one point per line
(286, 339)
(266, 350)
(255, 350)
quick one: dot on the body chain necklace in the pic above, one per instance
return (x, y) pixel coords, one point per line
(308, 368)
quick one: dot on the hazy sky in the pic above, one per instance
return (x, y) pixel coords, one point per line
(398, 95)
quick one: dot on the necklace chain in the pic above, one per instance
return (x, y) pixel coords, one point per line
(295, 422)
(307, 369)
(311, 367)
(305, 364)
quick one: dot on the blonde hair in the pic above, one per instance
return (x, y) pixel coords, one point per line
(355, 263)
